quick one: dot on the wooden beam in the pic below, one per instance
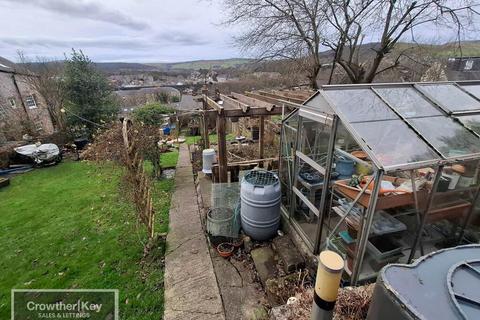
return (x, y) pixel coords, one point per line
(281, 97)
(253, 112)
(235, 103)
(261, 97)
(253, 102)
(222, 148)
(261, 138)
(238, 113)
(301, 95)
(212, 104)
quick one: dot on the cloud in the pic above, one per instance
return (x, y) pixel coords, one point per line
(180, 38)
(89, 10)
(163, 39)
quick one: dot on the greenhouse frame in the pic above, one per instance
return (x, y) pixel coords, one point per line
(401, 165)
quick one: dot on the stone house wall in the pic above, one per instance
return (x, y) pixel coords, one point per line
(19, 113)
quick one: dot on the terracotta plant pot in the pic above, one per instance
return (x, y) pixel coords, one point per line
(225, 249)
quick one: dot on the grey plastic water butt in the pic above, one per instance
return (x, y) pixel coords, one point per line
(260, 204)
(442, 285)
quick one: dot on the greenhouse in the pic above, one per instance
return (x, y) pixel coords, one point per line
(383, 173)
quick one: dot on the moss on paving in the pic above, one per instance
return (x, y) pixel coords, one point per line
(68, 226)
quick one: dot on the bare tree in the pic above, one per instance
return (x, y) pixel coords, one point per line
(45, 77)
(386, 22)
(280, 29)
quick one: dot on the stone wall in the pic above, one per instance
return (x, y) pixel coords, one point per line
(16, 118)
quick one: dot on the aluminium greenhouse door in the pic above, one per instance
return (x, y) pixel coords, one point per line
(287, 158)
(311, 174)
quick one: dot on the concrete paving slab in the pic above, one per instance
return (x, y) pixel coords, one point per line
(242, 295)
(264, 260)
(191, 289)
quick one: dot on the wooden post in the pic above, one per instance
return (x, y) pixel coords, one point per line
(205, 137)
(261, 138)
(222, 148)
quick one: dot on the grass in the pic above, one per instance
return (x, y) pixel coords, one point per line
(68, 227)
(169, 159)
(213, 138)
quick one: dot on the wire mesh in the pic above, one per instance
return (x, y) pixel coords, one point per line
(225, 201)
(261, 178)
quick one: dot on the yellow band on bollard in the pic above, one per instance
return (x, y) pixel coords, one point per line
(329, 274)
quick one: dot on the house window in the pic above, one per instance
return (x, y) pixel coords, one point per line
(38, 126)
(12, 102)
(30, 102)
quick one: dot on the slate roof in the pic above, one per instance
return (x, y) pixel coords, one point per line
(6, 65)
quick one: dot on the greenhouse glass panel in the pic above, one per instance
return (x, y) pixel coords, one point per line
(319, 103)
(450, 98)
(447, 136)
(408, 102)
(359, 105)
(472, 122)
(473, 89)
(394, 143)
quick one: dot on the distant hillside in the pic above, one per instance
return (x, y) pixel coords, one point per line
(469, 48)
(203, 64)
(112, 67)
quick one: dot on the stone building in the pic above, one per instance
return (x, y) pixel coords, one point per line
(22, 109)
(465, 68)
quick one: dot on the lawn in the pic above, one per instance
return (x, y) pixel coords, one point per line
(169, 159)
(68, 226)
(213, 138)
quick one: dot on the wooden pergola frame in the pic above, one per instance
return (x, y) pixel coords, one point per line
(250, 104)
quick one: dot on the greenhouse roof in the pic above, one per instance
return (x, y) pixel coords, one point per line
(406, 125)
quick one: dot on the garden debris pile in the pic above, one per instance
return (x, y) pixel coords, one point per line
(352, 304)
(108, 146)
(244, 152)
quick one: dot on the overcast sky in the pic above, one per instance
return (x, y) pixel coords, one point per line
(128, 30)
(115, 30)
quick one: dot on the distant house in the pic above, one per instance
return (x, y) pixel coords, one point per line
(465, 68)
(22, 109)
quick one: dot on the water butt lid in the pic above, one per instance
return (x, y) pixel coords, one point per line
(208, 151)
(463, 283)
(261, 178)
(441, 285)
